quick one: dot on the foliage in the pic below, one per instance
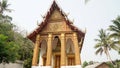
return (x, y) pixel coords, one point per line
(110, 65)
(16, 46)
(4, 6)
(8, 46)
(25, 51)
(91, 62)
(108, 41)
(115, 28)
(28, 61)
(104, 44)
(85, 63)
(8, 50)
(13, 46)
(117, 63)
(115, 32)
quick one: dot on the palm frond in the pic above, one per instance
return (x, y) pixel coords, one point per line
(113, 28)
(118, 18)
(116, 23)
(115, 47)
(97, 45)
(99, 50)
(4, 6)
(97, 40)
(114, 35)
(4, 3)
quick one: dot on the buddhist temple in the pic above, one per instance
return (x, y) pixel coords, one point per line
(57, 42)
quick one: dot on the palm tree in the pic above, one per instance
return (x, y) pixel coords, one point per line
(115, 28)
(4, 6)
(115, 31)
(104, 44)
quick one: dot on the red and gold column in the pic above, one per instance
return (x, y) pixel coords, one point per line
(49, 50)
(63, 53)
(77, 50)
(36, 51)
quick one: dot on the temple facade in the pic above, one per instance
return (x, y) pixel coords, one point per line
(58, 42)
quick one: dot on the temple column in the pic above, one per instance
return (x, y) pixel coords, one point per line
(77, 51)
(49, 50)
(63, 53)
(36, 51)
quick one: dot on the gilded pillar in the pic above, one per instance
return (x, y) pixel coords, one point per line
(63, 53)
(36, 51)
(77, 50)
(49, 50)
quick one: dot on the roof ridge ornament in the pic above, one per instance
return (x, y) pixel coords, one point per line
(54, 1)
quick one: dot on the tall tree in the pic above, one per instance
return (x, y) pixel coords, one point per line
(115, 28)
(115, 31)
(9, 48)
(104, 44)
(4, 6)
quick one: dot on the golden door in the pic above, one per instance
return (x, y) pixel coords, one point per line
(57, 61)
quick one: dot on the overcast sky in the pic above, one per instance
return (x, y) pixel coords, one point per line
(93, 16)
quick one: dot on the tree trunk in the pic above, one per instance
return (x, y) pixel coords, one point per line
(108, 55)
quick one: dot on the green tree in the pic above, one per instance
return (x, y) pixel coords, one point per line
(16, 41)
(110, 65)
(115, 31)
(28, 61)
(8, 45)
(8, 50)
(117, 63)
(104, 44)
(13, 45)
(25, 49)
(91, 62)
(85, 63)
(26, 52)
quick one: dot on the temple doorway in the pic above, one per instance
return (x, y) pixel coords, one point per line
(57, 61)
(56, 52)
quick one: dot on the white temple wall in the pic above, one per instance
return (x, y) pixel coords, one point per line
(12, 65)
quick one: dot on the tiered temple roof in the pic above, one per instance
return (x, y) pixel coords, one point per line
(53, 7)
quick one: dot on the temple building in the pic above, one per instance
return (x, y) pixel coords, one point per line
(58, 42)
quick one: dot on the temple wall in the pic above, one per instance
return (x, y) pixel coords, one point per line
(11, 65)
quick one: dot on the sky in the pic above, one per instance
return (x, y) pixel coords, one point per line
(93, 16)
